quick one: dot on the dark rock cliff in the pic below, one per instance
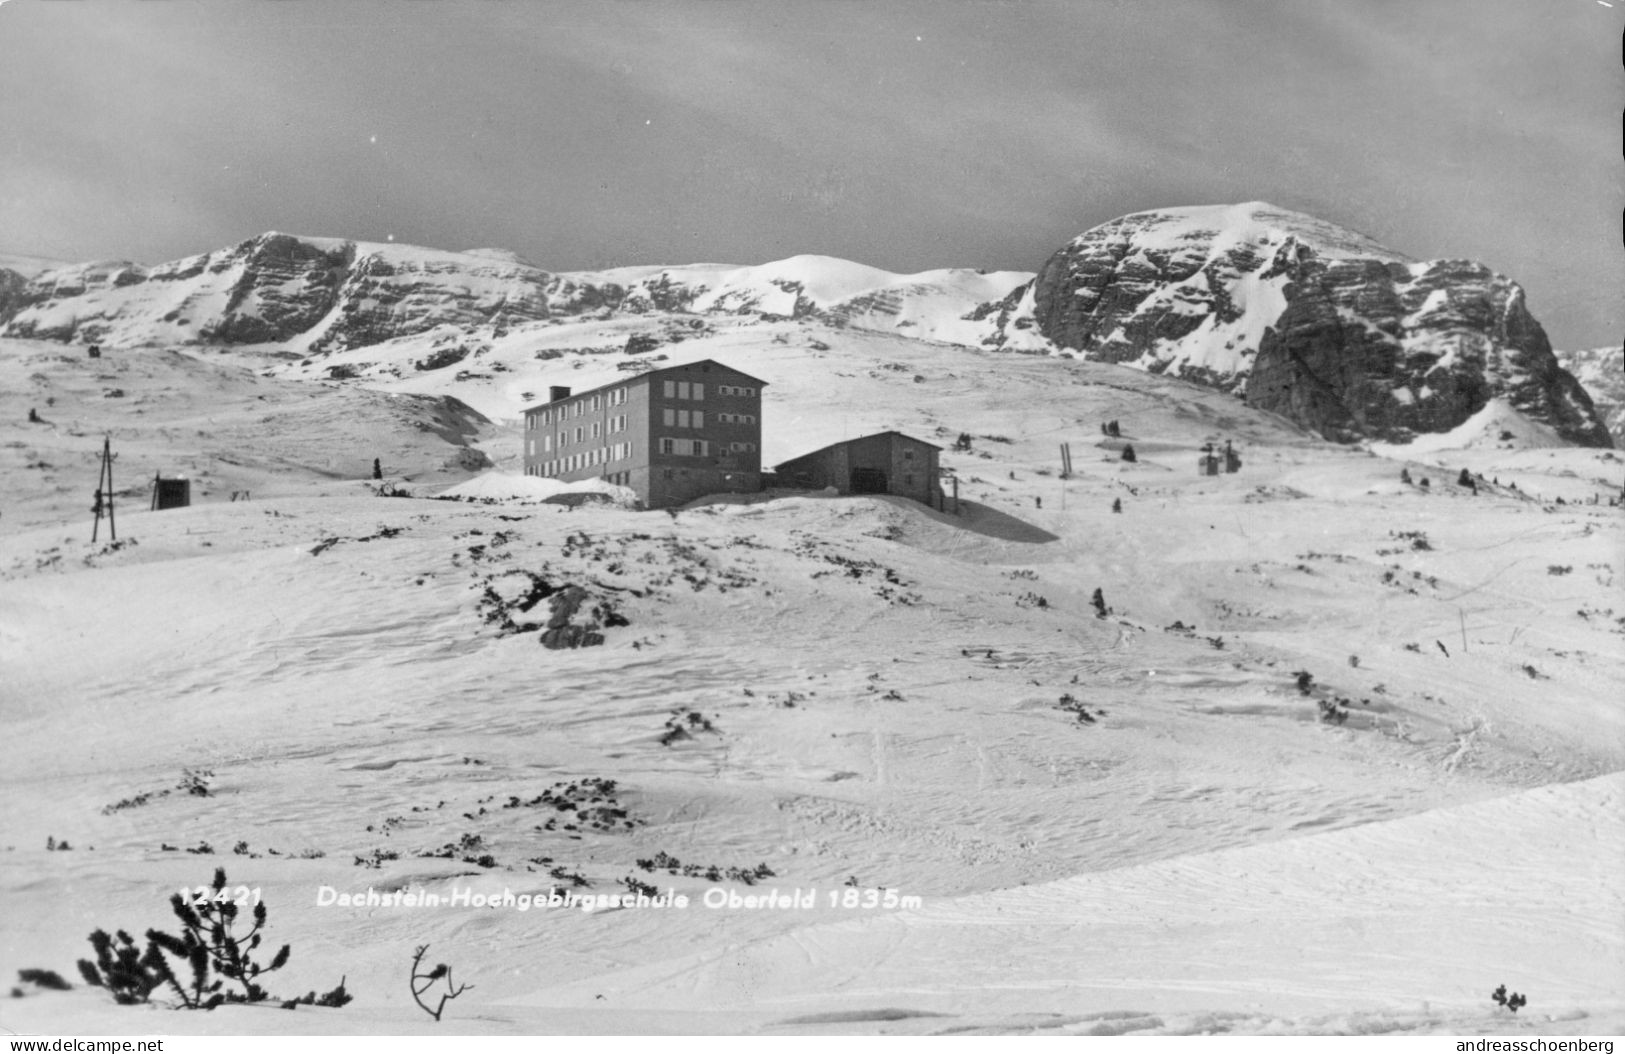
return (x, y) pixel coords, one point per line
(1306, 319)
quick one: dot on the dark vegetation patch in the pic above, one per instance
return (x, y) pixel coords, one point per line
(686, 724)
(328, 543)
(663, 861)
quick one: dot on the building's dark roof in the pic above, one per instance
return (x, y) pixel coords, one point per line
(642, 376)
(857, 439)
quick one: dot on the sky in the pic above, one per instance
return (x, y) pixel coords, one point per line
(905, 135)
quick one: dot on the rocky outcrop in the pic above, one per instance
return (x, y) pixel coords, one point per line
(1362, 350)
(14, 292)
(1303, 318)
(1601, 372)
(281, 286)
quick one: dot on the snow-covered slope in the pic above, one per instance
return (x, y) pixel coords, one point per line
(1130, 823)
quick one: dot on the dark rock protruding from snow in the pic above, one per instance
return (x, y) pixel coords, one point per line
(1601, 372)
(1302, 318)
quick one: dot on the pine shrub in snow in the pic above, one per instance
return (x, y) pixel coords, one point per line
(44, 979)
(210, 951)
(1512, 1001)
(122, 968)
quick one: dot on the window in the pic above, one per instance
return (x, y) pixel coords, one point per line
(596, 427)
(580, 409)
(619, 424)
(547, 444)
(682, 418)
(668, 417)
(699, 418)
(670, 389)
(699, 391)
(595, 403)
(908, 455)
(581, 434)
(685, 447)
(741, 448)
(908, 479)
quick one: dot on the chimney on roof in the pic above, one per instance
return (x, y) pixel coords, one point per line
(557, 392)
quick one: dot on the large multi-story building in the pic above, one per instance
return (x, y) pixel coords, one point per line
(671, 435)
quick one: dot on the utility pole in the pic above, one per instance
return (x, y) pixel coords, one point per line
(104, 493)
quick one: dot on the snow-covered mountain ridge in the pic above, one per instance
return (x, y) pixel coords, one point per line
(1292, 313)
(321, 295)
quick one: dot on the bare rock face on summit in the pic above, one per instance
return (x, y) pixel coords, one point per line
(1601, 371)
(1303, 318)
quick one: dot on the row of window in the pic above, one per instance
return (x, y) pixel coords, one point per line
(586, 459)
(591, 404)
(700, 447)
(696, 418)
(685, 447)
(692, 390)
(583, 433)
(623, 452)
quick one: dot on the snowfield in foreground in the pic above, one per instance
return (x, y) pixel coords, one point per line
(1146, 820)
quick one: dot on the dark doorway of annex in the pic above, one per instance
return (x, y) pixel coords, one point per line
(868, 481)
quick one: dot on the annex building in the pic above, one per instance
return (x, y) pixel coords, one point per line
(883, 463)
(671, 435)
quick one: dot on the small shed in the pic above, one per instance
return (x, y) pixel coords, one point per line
(172, 493)
(883, 463)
